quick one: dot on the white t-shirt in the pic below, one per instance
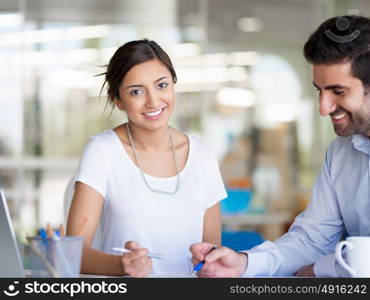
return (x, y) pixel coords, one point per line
(165, 224)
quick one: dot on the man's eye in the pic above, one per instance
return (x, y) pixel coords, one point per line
(338, 92)
(135, 92)
(163, 85)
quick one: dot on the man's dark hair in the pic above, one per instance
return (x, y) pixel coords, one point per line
(342, 39)
(129, 55)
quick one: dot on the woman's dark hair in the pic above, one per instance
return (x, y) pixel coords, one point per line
(128, 56)
(342, 39)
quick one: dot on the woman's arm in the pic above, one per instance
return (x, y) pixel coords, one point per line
(212, 225)
(83, 220)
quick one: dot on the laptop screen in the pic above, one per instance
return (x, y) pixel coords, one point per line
(10, 259)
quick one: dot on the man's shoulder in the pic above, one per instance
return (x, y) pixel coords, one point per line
(342, 141)
(355, 141)
(343, 146)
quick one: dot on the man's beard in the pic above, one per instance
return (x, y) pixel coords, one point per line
(360, 124)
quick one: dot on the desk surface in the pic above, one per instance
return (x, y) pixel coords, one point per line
(150, 276)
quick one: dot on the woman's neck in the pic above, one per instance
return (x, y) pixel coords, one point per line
(149, 140)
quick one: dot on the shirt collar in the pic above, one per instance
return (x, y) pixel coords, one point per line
(361, 143)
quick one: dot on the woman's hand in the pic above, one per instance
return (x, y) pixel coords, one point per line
(136, 263)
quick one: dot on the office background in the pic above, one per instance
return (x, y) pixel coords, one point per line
(243, 86)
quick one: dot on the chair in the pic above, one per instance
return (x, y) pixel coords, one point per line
(241, 240)
(67, 200)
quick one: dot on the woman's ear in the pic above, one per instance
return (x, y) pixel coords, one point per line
(119, 104)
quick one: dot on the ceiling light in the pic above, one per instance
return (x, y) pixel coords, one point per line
(54, 35)
(250, 24)
(236, 97)
(184, 50)
(10, 20)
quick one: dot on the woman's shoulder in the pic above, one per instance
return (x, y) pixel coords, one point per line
(101, 142)
(107, 136)
(197, 144)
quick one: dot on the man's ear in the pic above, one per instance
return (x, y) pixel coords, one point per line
(367, 90)
(119, 104)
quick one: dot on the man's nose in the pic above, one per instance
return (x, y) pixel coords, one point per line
(327, 104)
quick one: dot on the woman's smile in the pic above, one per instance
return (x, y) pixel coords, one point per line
(154, 114)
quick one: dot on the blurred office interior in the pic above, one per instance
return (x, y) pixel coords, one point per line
(243, 86)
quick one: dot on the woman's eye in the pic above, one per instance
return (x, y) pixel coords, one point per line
(163, 85)
(135, 92)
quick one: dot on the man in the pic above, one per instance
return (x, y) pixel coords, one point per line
(339, 51)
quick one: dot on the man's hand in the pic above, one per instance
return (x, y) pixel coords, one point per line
(221, 262)
(306, 271)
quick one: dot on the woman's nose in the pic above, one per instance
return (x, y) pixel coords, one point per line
(152, 100)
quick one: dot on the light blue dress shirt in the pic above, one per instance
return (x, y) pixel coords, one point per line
(340, 205)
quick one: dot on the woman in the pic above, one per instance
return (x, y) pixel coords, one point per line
(149, 185)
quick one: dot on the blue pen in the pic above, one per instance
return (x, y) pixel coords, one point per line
(44, 236)
(59, 250)
(200, 264)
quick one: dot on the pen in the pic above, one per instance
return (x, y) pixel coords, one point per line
(62, 230)
(151, 255)
(55, 236)
(44, 237)
(43, 233)
(200, 264)
(49, 230)
(36, 250)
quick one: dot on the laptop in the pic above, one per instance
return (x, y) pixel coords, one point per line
(10, 259)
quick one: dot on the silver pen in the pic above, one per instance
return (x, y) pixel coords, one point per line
(150, 254)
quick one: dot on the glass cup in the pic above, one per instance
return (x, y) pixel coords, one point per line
(55, 257)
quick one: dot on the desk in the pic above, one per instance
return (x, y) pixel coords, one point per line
(153, 275)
